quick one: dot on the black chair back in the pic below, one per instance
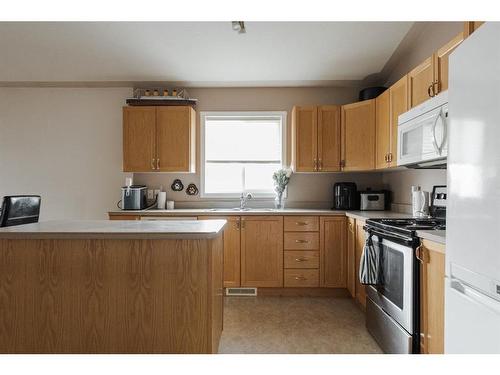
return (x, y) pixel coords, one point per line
(19, 209)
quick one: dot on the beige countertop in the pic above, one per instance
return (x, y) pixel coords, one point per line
(118, 229)
(438, 236)
(261, 211)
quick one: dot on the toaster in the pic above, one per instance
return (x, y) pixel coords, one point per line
(374, 200)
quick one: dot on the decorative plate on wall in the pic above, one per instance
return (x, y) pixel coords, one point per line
(177, 185)
(191, 189)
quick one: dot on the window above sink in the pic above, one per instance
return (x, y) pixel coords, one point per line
(240, 151)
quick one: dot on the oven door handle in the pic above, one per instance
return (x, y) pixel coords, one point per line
(389, 236)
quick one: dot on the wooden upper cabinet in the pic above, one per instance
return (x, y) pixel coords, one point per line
(262, 251)
(471, 26)
(139, 149)
(441, 62)
(358, 136)
(159, 139)
(304, 138)
(175, 139)
(316, 138)
(432, 270)
(398, 103)
(333, 252)
(329, 138)
(420, 82)
(383, 130)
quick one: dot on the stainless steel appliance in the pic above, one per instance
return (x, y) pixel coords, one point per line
(392, 308)
(472, 282)
(345, 196)
(373, 200)
(422, 134)
(134, 197)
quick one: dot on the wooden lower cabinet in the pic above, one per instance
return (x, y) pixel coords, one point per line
(262, 251)
(333, 252)
(351, 256)
(360, 243)
(432, 271)
(232, 249)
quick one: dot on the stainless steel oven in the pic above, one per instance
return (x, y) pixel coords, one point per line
(392, 306)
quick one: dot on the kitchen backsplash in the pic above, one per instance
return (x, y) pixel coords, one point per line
(305, 190)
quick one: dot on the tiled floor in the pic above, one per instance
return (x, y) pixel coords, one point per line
(294, 325)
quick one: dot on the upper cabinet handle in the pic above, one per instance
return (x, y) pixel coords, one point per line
(158, 163)
(320, 162)
(153, 163)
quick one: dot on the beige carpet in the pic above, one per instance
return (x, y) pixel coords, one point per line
(294, 325)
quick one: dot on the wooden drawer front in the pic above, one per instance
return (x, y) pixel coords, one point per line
(301, 223)
(301, 259)
(302, 241)
(304, 278)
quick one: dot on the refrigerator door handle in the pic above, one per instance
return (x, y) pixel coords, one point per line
(475, 296)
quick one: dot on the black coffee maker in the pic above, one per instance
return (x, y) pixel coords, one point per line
(345, 196)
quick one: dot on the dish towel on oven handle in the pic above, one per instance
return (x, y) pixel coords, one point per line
(369, 266)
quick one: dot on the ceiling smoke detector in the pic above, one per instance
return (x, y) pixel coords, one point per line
(239, 26)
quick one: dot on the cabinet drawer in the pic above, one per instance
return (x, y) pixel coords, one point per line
(302, 241)
(301, 223)
(301, 278)
(301, 259)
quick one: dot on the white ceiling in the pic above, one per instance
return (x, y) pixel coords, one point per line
(197, 53)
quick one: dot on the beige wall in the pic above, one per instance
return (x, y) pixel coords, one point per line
(305, 190)
(401, 181)
(64, 144)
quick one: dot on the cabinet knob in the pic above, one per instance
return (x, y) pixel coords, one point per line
(300, 278)
(300, 259)
(301, 223)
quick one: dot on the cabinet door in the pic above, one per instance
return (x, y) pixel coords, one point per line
(358, 136)
(351, 256)
(262, 251)
(333, 252)
(139, 139)
(329, 138)
(441, 61)
(304, 139)
(232, 251)
(420, 81)
(398, 98)
(383, 130)
(175, 137)
(432, 269)
(360, 243)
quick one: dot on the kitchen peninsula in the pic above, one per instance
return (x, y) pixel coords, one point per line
(111, 287)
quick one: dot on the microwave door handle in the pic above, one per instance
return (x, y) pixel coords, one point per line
(434, 140)
(445, 130)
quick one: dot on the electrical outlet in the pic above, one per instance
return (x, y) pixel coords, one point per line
(157, 191)
(150, 194)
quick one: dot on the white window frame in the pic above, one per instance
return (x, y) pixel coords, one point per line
(204, 115)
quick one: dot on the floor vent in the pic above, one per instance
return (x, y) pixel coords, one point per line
(249, 292)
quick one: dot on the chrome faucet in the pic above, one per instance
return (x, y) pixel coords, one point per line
(244, 199)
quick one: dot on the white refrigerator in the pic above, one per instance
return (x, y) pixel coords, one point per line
(472, 297)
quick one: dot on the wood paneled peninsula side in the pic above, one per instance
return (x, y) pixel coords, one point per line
(111, 287)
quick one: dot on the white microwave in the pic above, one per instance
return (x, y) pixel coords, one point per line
(422, 134)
